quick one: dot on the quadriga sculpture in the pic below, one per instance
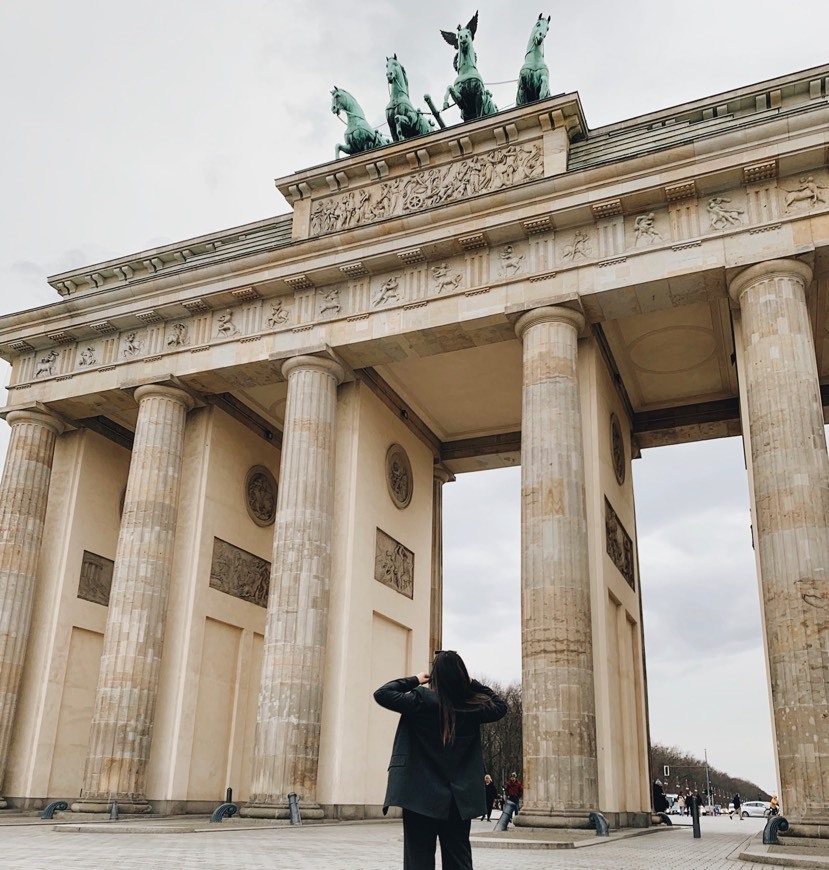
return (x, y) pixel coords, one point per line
(534, 78)
(404, 119)
(359, 134)
(467, 91)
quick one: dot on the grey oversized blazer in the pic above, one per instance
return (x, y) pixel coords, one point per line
(424, 775)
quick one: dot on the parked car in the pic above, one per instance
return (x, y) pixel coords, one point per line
(755, 808)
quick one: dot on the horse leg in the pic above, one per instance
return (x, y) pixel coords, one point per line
(338, 148)
(450, 93)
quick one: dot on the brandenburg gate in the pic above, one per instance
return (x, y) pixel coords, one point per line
(220, 513)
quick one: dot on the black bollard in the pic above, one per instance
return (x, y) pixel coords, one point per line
(229, 795)
(695, 818)
(506, 816)
(293, 806)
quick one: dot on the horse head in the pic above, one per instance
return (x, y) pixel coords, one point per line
(337, 100)
(396, 73)
(540, 28)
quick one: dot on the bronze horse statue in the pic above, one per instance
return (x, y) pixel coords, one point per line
(534, 78)
(404, 119)
(359, 134)
(467, 91)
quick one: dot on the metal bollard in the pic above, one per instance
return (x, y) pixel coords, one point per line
(695, 819)
(224, 811)
(506, 816)
(229, 795)
(49, 812)
(599, 822)
(113, 811)
(293, 806)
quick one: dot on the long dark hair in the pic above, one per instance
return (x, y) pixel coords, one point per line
(449, 680)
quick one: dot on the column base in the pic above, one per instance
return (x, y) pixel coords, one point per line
(104, 805)
(806, 829)
(538, 817)
(280, 810)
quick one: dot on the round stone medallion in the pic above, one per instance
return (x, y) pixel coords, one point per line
(617, 449)
(399, 476)
(260, 495)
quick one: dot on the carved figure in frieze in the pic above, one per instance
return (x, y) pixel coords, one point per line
(46, 365)
(393, 564)
(330, 301)
(472, 176)
(359, 134)
(388, 199)
(808, 191)
(534, 77)
(389, 290)
(87, 357)
(580, 247)
(721, 215)
(444, 279)
(236, 572)
(278, 315)
(645, 228)
(178, 336)
(133, 345)
(510, 261)
(225, 327)
(404, 120)
(467, 92)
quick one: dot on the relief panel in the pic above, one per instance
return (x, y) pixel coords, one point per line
(236, 572)
(394, 565)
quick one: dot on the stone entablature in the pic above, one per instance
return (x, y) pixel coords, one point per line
(684, 228)
(607, 236)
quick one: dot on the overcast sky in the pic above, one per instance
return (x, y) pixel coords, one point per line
(132, 125)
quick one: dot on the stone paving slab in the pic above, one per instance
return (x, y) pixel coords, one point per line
(361, 846)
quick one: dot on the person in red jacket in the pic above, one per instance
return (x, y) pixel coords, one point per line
(515, 791)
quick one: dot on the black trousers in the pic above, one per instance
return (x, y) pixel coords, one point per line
(420, 835)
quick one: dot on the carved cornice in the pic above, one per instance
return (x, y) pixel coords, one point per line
(678, 192)
(760, 172)
(610, 208)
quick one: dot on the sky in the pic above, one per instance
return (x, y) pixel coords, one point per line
(128, 126)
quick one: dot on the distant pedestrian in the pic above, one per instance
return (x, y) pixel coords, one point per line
(514, 791)
(660, 802)
(737, 804)
(491, 794)
(437, 765)
(680, 802)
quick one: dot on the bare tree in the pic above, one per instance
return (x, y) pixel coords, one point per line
(502, 740)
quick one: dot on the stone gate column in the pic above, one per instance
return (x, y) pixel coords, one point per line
(441, 475)
(122, 721)
(286, 754)
(790, 475)
(559, 720)
(23, 494)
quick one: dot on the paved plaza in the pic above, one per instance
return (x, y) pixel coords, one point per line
(38, 845)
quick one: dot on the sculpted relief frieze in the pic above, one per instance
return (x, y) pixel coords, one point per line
(238, 573)
(482, 173)
(760, 205)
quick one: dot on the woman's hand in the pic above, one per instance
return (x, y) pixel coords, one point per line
(422, 677)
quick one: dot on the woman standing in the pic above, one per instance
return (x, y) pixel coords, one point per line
(491, 794)
(436, 770)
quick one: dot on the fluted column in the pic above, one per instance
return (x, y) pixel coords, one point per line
(790, 475)
(441, 476)
(559, 718)
(23, 494)
(122, 722)
(286, 754)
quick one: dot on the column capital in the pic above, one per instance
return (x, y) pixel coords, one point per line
(160, 391)
(442, 474)
(769, 269)
(549, 314)
(314, 364)
(31, 415)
